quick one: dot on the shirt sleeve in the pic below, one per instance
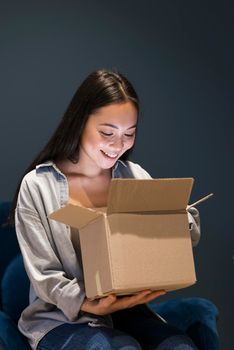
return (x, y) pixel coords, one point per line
(137, 171)
(194, 225)
(43, 266)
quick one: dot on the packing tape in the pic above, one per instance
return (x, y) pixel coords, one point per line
(98, 283)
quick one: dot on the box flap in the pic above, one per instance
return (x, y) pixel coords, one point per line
(75, 216)
(133, 195)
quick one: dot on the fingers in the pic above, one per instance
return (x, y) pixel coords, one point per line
(112, 303)
(154, 295)
(140, 298)
(107, 301)
(132, 300)
(106, 304)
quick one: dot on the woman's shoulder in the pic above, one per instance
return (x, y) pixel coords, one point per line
(136, 170)
(41, 184)
(29, 178)
(42, 175)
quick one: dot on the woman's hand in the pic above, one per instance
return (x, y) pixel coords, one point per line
(112, 303)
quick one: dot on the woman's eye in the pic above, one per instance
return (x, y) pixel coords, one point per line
(130, 135)
(106, 133)
(109, 134)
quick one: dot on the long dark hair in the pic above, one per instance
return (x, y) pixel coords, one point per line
(101, 88)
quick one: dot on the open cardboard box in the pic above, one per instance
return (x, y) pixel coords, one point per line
(140, 241)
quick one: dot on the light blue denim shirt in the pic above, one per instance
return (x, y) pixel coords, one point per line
(48, 248)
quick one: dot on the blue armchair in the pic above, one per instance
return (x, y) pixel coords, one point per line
(197, 316)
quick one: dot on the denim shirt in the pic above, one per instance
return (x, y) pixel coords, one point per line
(48, 248)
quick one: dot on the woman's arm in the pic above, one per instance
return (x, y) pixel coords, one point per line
(41, 259)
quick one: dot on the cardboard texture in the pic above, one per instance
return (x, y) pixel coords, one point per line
(140, 241)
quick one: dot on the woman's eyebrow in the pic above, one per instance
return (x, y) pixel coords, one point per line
(116, 127)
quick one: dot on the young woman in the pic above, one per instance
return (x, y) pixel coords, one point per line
(89, 147)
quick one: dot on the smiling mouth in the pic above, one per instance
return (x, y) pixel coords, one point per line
(110, 155)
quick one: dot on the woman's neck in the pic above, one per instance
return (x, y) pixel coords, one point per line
(84, 171)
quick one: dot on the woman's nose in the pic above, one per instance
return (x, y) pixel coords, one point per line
(117, 144)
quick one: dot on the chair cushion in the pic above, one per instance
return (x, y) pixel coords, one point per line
(4, 211)
(8, 241)
(15, 288)
(10, 337)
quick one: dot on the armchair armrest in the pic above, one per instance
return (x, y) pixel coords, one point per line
(10, 337)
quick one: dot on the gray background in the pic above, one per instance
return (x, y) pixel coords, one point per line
(179, 55)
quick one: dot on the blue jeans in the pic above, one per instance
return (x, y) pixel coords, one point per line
(134, 329)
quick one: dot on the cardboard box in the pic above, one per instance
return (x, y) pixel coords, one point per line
(140, 241)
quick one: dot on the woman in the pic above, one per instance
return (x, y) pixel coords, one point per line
(89, 147)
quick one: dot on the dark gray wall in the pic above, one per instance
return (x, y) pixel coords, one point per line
(179, 55)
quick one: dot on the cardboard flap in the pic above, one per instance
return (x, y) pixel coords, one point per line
(133, 195)
(75, 215)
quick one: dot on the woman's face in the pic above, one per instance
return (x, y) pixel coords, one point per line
(108, 133)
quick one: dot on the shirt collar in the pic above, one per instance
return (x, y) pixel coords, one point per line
(49, 163)
(117, 164)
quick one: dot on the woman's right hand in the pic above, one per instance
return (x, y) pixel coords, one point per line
(112, 303)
